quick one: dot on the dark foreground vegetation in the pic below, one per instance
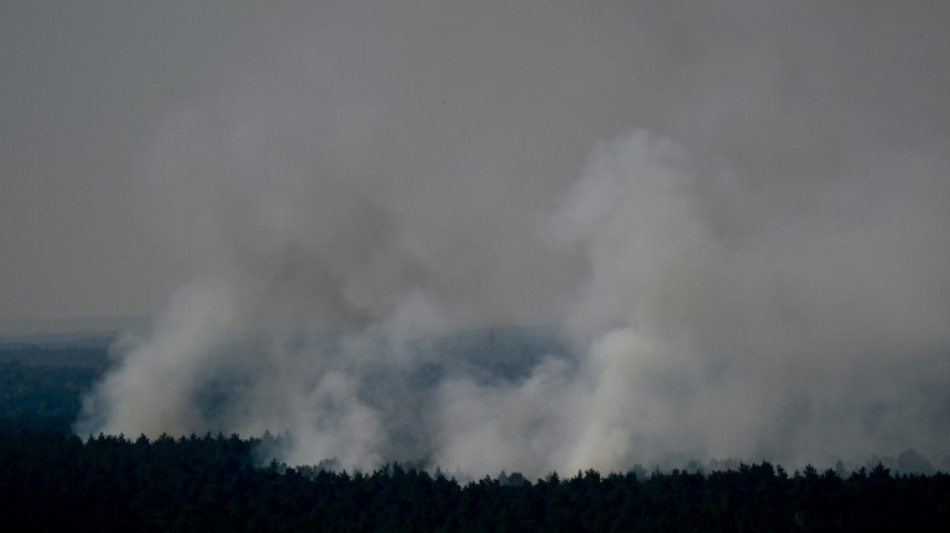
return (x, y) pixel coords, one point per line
(51, 480)
(58, 482)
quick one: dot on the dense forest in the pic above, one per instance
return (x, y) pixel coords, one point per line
(55, 481)
(52, 480)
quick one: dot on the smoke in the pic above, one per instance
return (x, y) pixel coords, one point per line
(551, 241)
(803, 335)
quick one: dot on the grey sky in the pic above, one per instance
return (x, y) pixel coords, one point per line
(83, 85)
(528, 88)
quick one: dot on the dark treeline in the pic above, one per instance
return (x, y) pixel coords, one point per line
(57, 481)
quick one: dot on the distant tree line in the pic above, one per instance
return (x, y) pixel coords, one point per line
(91, 354)
(40, 397)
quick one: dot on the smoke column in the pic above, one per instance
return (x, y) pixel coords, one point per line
(733, 220)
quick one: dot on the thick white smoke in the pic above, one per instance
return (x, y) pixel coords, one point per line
(802, 336)
(766, 278)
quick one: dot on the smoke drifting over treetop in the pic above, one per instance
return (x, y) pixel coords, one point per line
(736, 218)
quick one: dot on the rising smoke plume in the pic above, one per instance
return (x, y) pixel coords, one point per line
(726, 228)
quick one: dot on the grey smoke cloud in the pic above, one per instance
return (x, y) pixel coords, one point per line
(784, 338)
(735, 216)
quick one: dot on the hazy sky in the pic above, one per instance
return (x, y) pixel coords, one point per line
(83, 87)
(513, 96)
